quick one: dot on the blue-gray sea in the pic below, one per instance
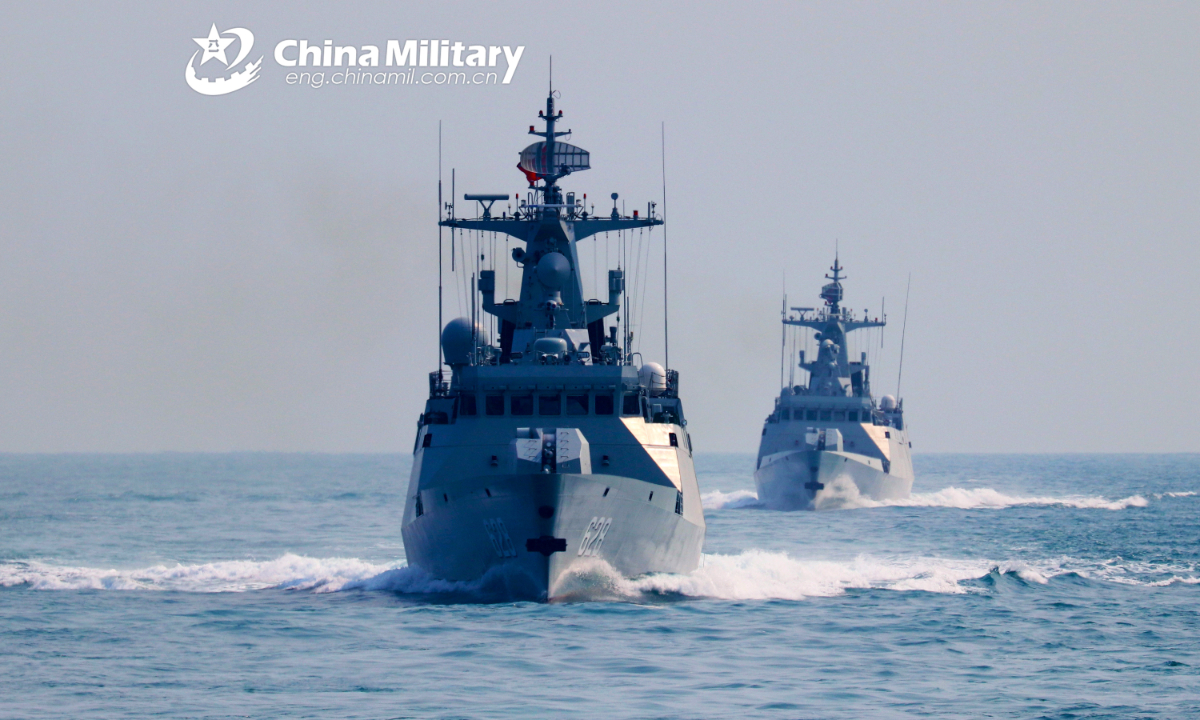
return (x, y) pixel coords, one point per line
(275, 586)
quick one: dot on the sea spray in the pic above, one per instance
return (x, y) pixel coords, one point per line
(952, 497)
(749, 575)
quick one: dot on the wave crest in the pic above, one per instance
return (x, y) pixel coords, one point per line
(987, 498)
(287, 571)
(717, 500)
(846, 497)
(749, 575)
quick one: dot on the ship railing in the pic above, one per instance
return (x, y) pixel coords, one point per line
(528, 211)
(438, 387)
(672, 384)
(823, 315)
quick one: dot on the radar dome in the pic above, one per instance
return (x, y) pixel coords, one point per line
(553, 269)
(555, 346)
(457, 338)
(654, 377)
(887, 402)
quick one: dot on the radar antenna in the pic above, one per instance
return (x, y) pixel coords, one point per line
(831, 293)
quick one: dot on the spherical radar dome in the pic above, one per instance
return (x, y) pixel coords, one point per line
(553, 269)
(457, 338)
(887, 402)
(654, 377)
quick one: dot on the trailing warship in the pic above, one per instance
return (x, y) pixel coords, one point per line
(829, 443)
(547, 450)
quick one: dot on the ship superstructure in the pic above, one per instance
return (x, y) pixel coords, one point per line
(829, 442)
(547, 449)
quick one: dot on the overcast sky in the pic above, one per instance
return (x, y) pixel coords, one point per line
(258, 271)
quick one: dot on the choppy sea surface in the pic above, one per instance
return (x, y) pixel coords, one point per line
(275, 586)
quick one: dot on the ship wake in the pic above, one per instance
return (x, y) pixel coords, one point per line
(847, 497)
(749, 575)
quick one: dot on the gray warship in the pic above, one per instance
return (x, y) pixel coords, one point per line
(829, 443)
(547, 451)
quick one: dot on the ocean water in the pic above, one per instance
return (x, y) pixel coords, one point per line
(274, 586)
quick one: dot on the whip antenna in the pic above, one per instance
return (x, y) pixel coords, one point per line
(439, 339)
(783, 333)
(666, 329)
(903, 328)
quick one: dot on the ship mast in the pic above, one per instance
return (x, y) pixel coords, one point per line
(832, 323)
(551, 300)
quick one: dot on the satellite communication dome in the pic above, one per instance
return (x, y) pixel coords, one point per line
(553, 269)
(457, 339)
(887, 402)
(654, 377)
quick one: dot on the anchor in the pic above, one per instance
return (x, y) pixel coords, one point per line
(546, 545)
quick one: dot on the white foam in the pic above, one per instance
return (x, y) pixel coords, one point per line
(749, 575)
(1174, 579)
(844, 495)
(987, 498)
(287, 571)
(717, 500)
(1188, 493)
(761, 575)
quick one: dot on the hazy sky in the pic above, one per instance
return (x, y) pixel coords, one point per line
(258, 271)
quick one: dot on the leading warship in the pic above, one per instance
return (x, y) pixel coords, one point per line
(828, 444)
(548, 451)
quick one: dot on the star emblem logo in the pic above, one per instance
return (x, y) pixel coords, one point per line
(214, 46)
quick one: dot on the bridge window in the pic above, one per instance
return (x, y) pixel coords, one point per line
(826, 414)
(853, 416)
(577, 404)
(810, 415)
(604, 404)
(522, 404)
(840, 415)
(785, 414)
(494, 404)
(466, 405)
(550, 404)
(631, 406)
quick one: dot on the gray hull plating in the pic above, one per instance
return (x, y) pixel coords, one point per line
(826, 480)
(507, 527)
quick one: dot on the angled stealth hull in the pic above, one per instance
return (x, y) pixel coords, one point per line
(529, 531)
(492, 496)
(826, 480)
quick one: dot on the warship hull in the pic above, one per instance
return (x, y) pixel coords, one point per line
(529, 535)
(826, 480)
